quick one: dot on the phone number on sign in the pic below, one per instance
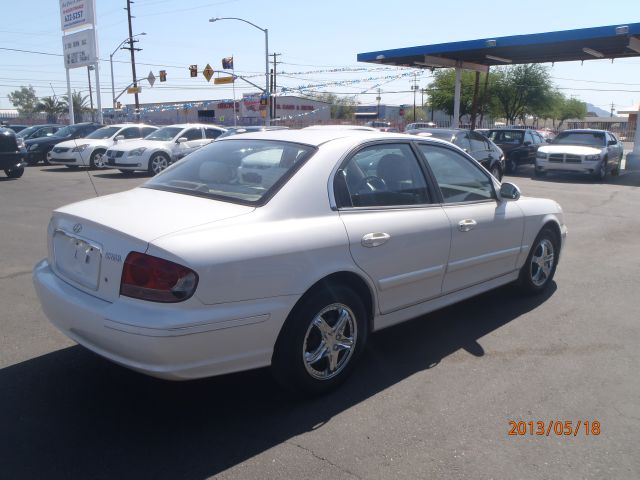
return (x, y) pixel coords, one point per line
(555, 427)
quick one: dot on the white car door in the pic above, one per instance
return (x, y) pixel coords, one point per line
(397, 234)
(486, 233)
(194, 140)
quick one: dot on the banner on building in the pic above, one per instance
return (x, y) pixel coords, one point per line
(79, 49)
(77, 13)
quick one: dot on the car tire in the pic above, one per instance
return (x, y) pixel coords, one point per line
(601, 173)
(539, 173)
(158, 162)
(538, 270)
(321, 341)
(512, 164)
(97, 159)
(14, 172)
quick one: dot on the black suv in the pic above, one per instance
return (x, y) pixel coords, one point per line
(38, 148)
(518, 144)
(10, 154)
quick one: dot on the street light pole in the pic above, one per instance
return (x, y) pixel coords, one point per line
(267, 92)
(113, 89)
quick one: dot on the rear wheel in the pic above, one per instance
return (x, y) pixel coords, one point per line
(540, 267)
(14, 172)
(157, 163)
(321, 340)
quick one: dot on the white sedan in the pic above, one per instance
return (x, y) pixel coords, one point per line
(89, 151)
(287, 248)
(160, 149)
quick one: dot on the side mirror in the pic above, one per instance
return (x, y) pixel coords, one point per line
(119, 137)
(527, 143)
(612, 142)
(509, 191)
(182, 140)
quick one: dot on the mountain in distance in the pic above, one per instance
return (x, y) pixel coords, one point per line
(598, 111)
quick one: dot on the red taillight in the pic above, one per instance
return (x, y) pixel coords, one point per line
(155, 279)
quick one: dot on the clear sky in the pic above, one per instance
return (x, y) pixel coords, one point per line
(314, 39)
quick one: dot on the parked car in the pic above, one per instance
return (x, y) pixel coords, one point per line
(288, 248)
(158, 150)
(89, 151)
(483, 150)
(11, 158)
(363, 128)
(37, 131)
(518, 144)
(416, 125)
(15, 128)
(594, 152)
(38, 148)
(249, 129)
(378, 124)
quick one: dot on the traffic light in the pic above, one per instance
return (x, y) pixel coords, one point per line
(263, 100)
(193, 70)
(163, 75)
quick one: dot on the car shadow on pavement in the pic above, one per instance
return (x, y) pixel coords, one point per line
(71, 414)
(121, 175)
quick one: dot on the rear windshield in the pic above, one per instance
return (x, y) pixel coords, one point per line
(241, 171)
(592, 139)
(506, 136)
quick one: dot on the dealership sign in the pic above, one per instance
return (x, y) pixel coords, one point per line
(77, 13)
(79, 49)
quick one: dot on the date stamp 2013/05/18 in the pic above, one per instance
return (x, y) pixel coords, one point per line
(567, 428)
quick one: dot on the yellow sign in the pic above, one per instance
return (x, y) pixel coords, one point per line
(208, 72)
(134, 89)
(222, 80)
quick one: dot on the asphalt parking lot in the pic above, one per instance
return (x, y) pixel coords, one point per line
(432, 398)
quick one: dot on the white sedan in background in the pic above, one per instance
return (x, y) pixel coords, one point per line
(157, 151)
(89, 151)
(287, 248)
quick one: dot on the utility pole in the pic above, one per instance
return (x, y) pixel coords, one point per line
(414, 87)
(378, 98)
(89, 68)
(133, 59)
(612, 105)
(273, 103)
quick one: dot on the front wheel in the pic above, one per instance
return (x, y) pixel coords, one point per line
(600, 173)
(540, 267)
(512, 164)
(157, 163)
(14, 172)
(97, 159)
(495, 171)
(320, 341)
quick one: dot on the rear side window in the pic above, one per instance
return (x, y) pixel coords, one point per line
(381, 176)
(192, 134)
(212, 132)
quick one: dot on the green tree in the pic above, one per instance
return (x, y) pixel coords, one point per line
(52, 107)
(571, 108)
(341, 107)
(519, 90)
(441, 93)
(79, 105)
(25, 100)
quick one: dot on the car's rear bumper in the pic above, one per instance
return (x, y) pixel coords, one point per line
(201, 341)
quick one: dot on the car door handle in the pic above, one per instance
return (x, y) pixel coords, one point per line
(466, 225)
(375, 239)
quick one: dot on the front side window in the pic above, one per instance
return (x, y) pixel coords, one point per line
(478, 142)
(104, 132)
(192, 134)
(131, 132)
(462, 141)
(164, 134)
(240, 171)
(147, 130)
(380, 176)
(459, 179)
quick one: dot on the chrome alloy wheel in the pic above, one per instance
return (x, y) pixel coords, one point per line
(158, 163)
(329, 341)
(542, 262)
(99, 160)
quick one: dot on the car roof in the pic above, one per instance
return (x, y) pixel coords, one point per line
(122, 125)
(187, 125)
(584, 130)
(341, 127)
(317, 137)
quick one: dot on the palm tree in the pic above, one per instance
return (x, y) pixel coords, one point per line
(79, 105)
(52, 107)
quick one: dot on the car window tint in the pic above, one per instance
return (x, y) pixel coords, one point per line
(383, 175)
(147, 130)
(459, 179)
(509, 136)
(212, 132)
(192, 134)
(133, 132)
(462, 141)
(478, 142)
